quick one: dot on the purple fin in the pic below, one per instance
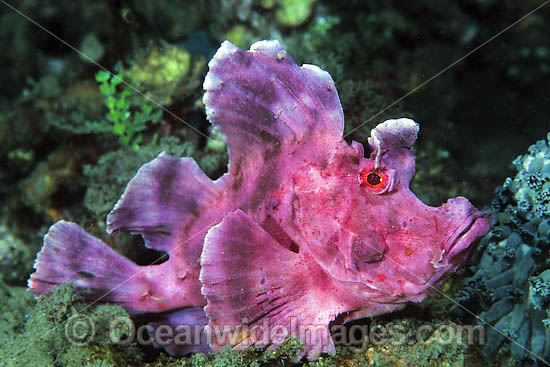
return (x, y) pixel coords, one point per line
(163, 203)
(261, 99)
(70, 255)
(186, 328)
(259, 292)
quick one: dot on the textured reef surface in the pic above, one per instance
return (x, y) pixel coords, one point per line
(510, 288)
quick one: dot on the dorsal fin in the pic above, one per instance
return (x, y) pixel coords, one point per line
(168, 202)
(260, 99)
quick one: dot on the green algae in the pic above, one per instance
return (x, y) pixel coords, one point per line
(120, 120)
(292, 13)
(113, 170)
(253, 357)
(15, 257)
(53, 333)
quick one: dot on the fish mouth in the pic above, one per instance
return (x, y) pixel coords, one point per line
(474, 226)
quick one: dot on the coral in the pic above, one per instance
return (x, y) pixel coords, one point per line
(369, 348)
(292, 13)
(511, 283)
(91, 48)
(45, 340)
(254, 357)
(441, 343)
(67, 108)
(238, 35)
(15, 257)
(58, 172)
(160, 72)
(15, 303)
(109, 176)
(177, 20)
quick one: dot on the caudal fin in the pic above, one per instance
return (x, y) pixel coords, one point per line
(70, 255)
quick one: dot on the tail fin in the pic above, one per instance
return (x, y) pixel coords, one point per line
(70, 255)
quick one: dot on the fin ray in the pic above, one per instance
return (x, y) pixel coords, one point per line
(167, 203)
(250, 281)
(265, 89)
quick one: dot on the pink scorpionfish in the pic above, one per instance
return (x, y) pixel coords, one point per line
(302, 229)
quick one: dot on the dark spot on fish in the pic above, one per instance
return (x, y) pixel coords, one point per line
(315, 115)
(330, 251)
(270, 154)
(241, 58)
(261, 88)
(267, 182)
(266, 137)
(166, 176)
(271, 226)
(367, 248)
(192, 207)
(168, 186)
(323, 164)
(257, 113)
(350, 159)
(85, 274)
(237, 174)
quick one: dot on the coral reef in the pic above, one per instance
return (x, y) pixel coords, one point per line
(55, 329)
(511, 282)
(58, 171)
(162, 72)
(292, 13)
(107, 178)
(15, 257)
(15, 303)
(404, 348)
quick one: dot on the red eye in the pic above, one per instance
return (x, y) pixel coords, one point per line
(373, 179)
(377, 181)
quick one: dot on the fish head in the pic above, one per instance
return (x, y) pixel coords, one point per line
(362, 224)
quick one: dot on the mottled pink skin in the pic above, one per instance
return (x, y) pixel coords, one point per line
(351, 250)
(291, 236)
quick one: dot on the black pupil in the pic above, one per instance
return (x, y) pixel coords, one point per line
(373, 179)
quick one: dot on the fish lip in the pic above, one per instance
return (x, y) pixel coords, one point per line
(474, 226)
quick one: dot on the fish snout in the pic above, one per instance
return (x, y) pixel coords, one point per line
(471, 224)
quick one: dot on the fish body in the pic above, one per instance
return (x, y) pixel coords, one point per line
(301, 230)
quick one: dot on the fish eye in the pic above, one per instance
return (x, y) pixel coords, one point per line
(377, 181)
(373, 179)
